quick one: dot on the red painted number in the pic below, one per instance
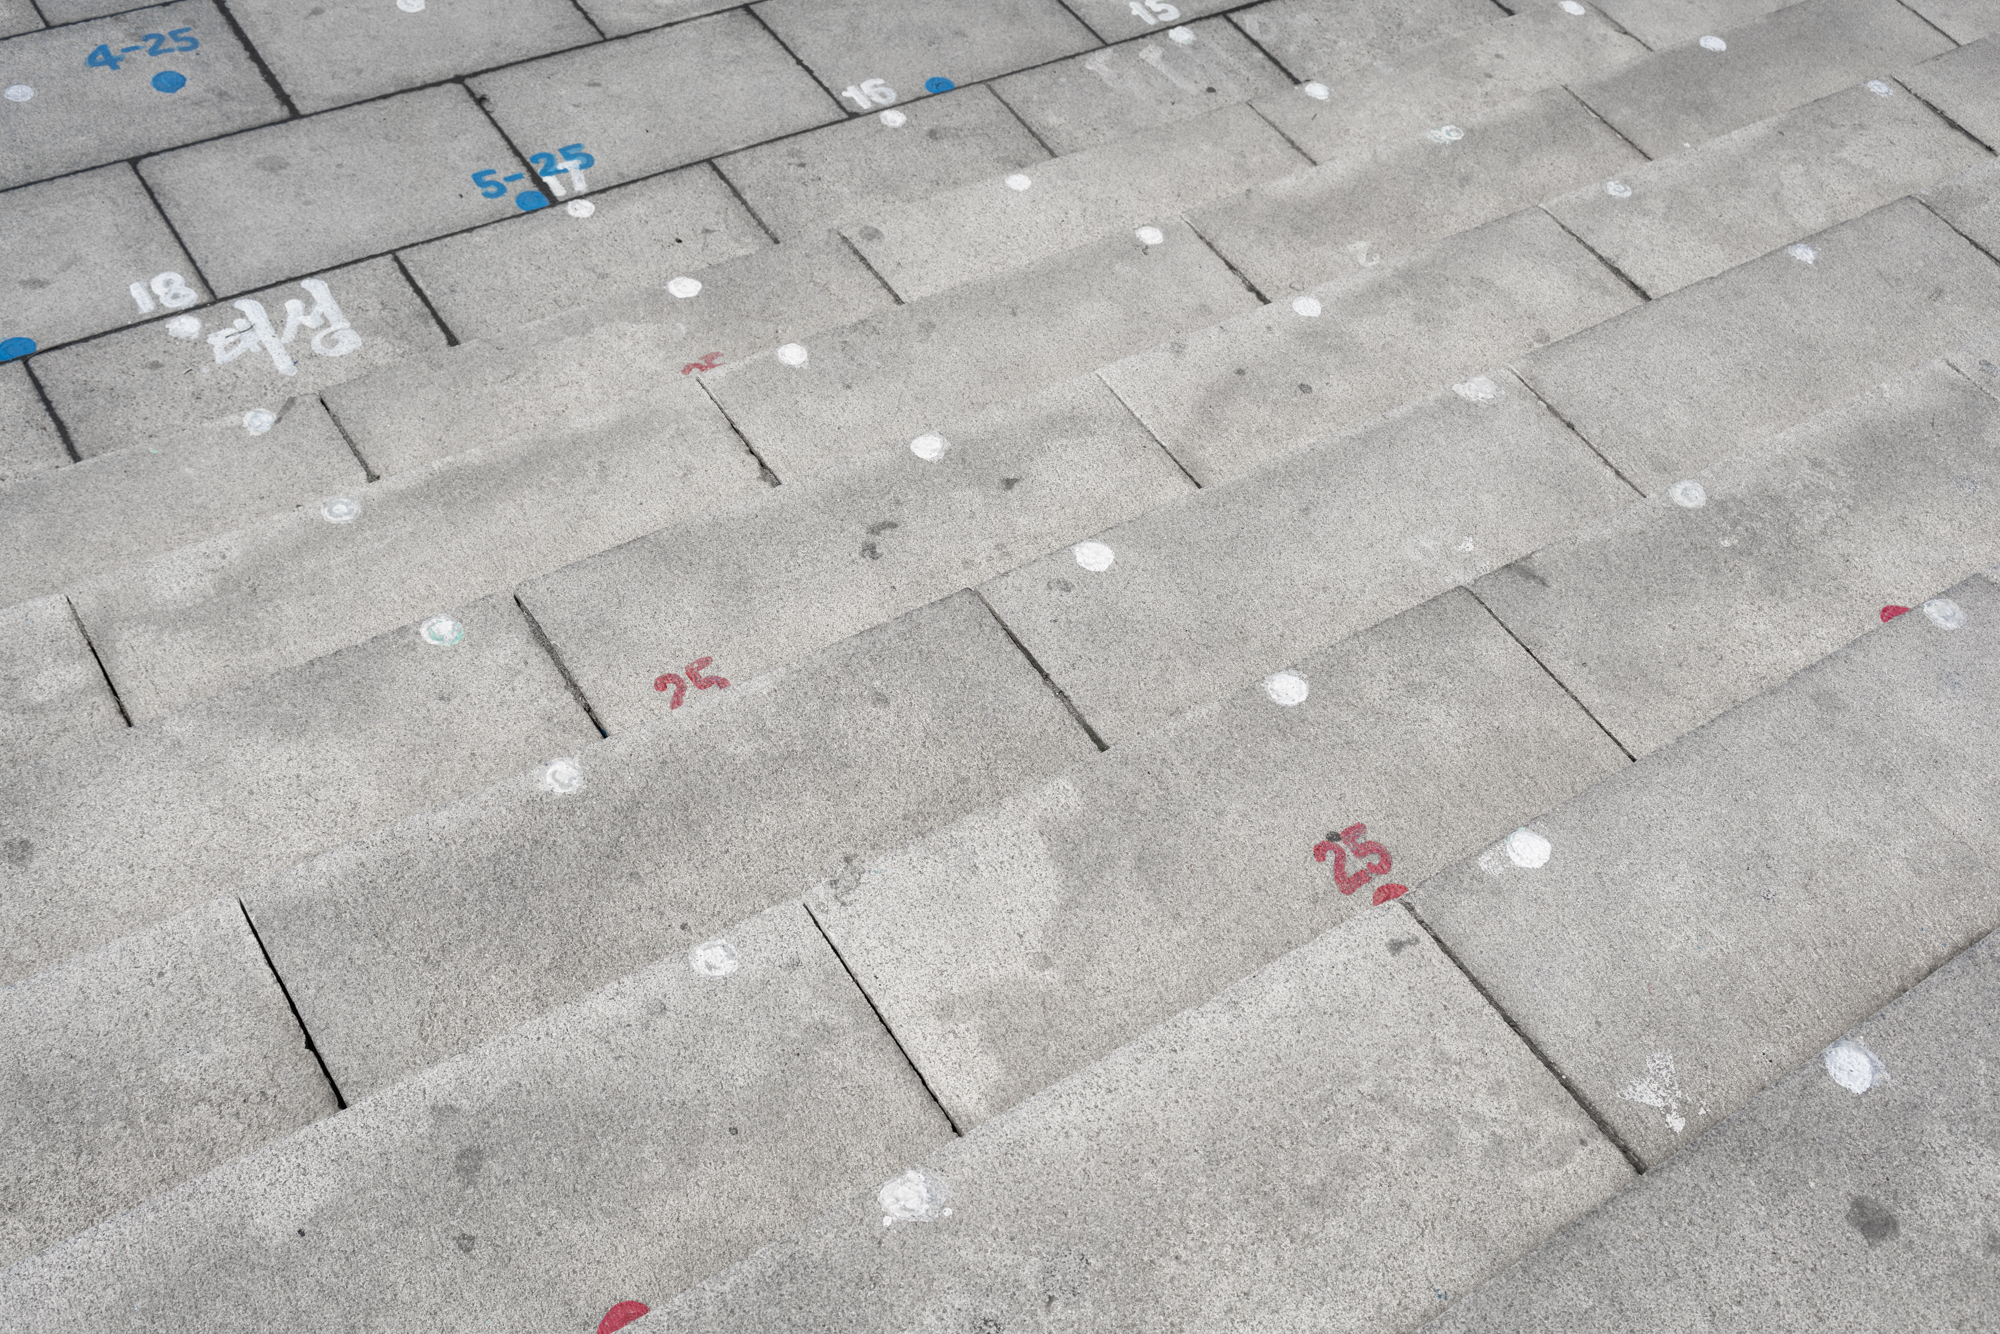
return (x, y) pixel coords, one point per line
(708, 362)
(620, 1316)
(1371, 860)
(675, 682)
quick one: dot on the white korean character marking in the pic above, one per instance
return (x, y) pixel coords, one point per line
(251, 330)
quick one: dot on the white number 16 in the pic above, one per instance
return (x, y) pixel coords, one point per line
(871, 94)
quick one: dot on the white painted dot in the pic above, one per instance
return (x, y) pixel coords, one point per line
(1526, 848)
(1713, 43)
(1944, 613)
(911, 1198)
(1447, 134)
(929, 448)
(684, 287)
(184, 326)
(1181, 35)
(18, 92)
(792, 354)
(1689, 495)
(579, 208)
(1287, 689)
(259, 420)
(1093, 556)
(1879, 88)
(410, 6)
(441, 631)
(714, 958)
(1803, 253)
(1478, 389)
(1572, 7)
(340, 510)
(561, 777)
(1618, 189)
(1854, 1067)
(894, 119)
(1018, 182)
(1307, 306)
(1316, 91)
(1151, 236)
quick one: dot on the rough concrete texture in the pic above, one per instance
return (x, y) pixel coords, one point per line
(1117, 21)
(29, 441)
(1024, 942)
(1692, 215)
(1961, 20)
(1961, 85)
(137, 1066)
(1660, 23)
(1448, 1149)
(907, 43)
(635, 1141)
(1859, 1202)
(17, 16)
(1227, 398)
(1302, 552)
(764, 583)
(1859, 303)
(428, 938)
(1316, 39)
(618, 17)
(1970, 202)
(112, 834)
(51, 688)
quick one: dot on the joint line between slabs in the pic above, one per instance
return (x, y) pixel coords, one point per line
(873, 272)
(1536, 658)
(1042, 672)
(714, 164)
(1227, 263)
(764, 470)
(1644, 296)
(339, 1098)
(562, 668)
(173, 231)
(1131, 412)
(1921, 17)
(368, 473)
(1598, 116)
(1573, 429)
(450, 339)
(1012, 110)
(48, 406)
(1939, 112)
(91, 644)
(257, 59)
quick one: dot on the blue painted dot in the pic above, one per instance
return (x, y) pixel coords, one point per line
(13, 349)
(170, 81)
(530, 200)
(940, 84)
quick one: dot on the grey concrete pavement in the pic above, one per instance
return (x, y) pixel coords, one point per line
(18, 16)
(1828, 318)
(431, 937)
(1961, 85)
(1318, 39)
(51, 688)
(1961, 20)
(135, 1067)
(1970, 202)
(897, 48)
(1660, 23)
(1227, 398)
(618, 1148)
(766, 582)
(1015, 947)
(1343, 1142)
(29, 442)
(1118, 21)
(110, 835)
(618, 17)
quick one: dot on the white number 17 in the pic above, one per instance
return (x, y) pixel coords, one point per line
(1155, 11)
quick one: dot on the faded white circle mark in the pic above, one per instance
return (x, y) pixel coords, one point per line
(1307, 306)
(1803, 253)
(1879, 88)
(1151, 236)
(561, 777)
(259, 420)
(1689, 495)
(1713, 43)
(684, 287)
(1618, 189)
(1316, 91)
(1478, 389)
(1287, 689)
(184, 326)
(1854, 1067)
(911, 1198)
(929, 447)
(1944, 613)
(1572, 7)
(1527, 849)
(441, 631)
(1181, 35)
(1447, 134)
(579, 208)
(1093, 556)
(340, 510)
(894, 119)
(18, 92)
(792, 354)
(1018, 182)
(714, 958)
(410, 6)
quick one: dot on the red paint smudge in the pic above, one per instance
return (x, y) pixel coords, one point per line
(707, 362)
(620, 1316)
(680, 687)
(1383, 893)
(1891, 612)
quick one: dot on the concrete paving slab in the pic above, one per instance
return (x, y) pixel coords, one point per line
(137, 1066)
(619, 17)
(133, 101)
(1228, 398)
(898, 48)
(64, 527)
(494, 280)
(1133, 1195)
(1243, 579)
(309, 581)
(77, 245)
(765, 583)
(72, 11)
(1448, 82)
(1660, 23)
(648, 1135)
(607, 366)
(341, 51)
(1140, 86)
(899, 374)
(1338, 221)
(1689, 216)
(431, 937)
(1961, 20)
(1013, 948)
(51, 688)
(146, 385)
(1663, 616)
(1840, 1197)
(1315, 38)
(628, 102)
(802, 185)
(1970, 202)
(1685, 94)
(29, 442)
(109, 836)
(1961, 85)
(1787, 880)
(294, 198)
(17, 16)
(1118, 21)
(987, 228)
(1860, 303)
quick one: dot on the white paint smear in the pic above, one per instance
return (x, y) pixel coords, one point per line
(1944, 613)
(714, 958)
(441, 631)
(561, 777)
(1287, 689)
(1093, 556)
(1018, 182)
(1447, 134)
(1660, 1088)
(1478, 389)
(1181, 35)
(1618, 189)
(1879, 88)
(792, 354)
(1151, 236)
(911, 1198)
(1803, 253)
(410, 6)
(1316, 91)
(18, 92)
(340, 510)
(579, 208)
(1527, 849)
(684, 287)
(184, 326)
(1712, 43)
(1689, 495)
(259, 420)
(1307, 306)
(1854, 1067)
(1572, 7)
(929, 448)
(894, 119)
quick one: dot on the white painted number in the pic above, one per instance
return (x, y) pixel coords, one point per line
(1156, 11)
(871, 94)
(170, 288)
